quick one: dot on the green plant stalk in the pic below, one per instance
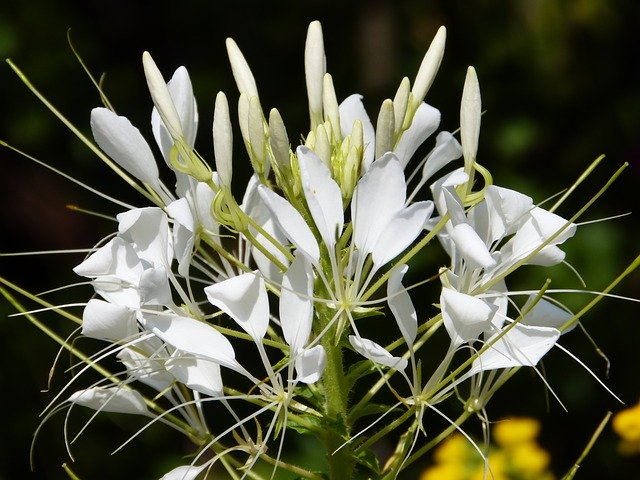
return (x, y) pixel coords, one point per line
(341, 463)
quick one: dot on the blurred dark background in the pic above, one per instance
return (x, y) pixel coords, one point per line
(560, 84)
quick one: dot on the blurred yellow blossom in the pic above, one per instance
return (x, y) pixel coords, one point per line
(515, 455)
(626, 423)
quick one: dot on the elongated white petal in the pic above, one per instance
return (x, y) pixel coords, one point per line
(425, 121)
(310, 364)
(401, 305)
(379, 195)
(223, 139)
(291, 223)
(471, 247)
(296, 303)
(111, 399)
(470, 113)
(376, 353)
(465, 317)
(107, 321)
(184, 227)
(522, 346)
(352, 109)
(243, 298)
(322, 194)
(184, 472)
(194, 337)
(401, 231)
(429, 66)
(196, 373)
(125, 145)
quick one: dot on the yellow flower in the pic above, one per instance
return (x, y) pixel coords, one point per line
(497, 468)
(529, 459)
(626, 423)
(513, 431)
(445, 471)
(453, 449)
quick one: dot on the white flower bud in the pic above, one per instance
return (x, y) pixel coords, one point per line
(223, 139)
(470, 113)
(429, 66)
(385, 128)
(315, 67)
(331, 110)
(241, 71)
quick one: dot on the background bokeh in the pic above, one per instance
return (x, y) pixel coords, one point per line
(560, 83)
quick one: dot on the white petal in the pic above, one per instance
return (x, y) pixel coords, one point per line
(193, 336)
(310, 364)
(243, 298)
(184, 226)
(184, 472)
(125, 145)
(116, 258)
(465, 317)
(400, 232)
(296, 303)
(401, 305)
(521, 346)
(196, 373)
(376, 353)
(148, 229)
(107, 321)
(111, 399)
(291, 223)
(154, 287)
(471, 247)
(149, 371)
(379, 195)
(546, 314)
(352, 109)
(446, 150)
(425, 122)
(322, 194)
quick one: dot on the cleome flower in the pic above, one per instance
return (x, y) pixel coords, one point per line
(274, 306)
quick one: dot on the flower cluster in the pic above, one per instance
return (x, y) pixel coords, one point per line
(299, 272)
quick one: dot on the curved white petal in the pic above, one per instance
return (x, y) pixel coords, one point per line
(196, 373)
(296, 303)
(446, 150)
(111, 399)
(522, 346)
(471, 247)
(148, 229)
(401, 305)
(322, 194)
(154, 288)
(184, 472)
(400, 232)
(425, 121)
(310, 364)
(149, 371)
(379, 195)
(124, 143)
(376, 353)
(291, 223)
(107, 321)
(546, 314)
(352, 109)
(465, 317)
(194, 337)
(243, 298)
